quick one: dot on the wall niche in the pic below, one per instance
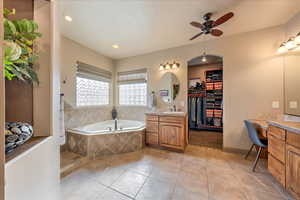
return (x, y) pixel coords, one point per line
(19, 95)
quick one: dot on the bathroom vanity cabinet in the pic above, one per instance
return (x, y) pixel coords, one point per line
(284, 156)
(168, 131)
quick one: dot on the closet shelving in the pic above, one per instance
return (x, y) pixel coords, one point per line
(209, 115)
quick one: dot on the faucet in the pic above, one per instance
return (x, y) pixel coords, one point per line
(174, 108)
(116, 124)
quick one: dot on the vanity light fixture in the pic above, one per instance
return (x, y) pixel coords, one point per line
(175, 65)
(168, 66)
(293, 43)
(115, 46)
(161, 67)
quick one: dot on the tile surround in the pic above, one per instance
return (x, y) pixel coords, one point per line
(94, 146)
(76, 117)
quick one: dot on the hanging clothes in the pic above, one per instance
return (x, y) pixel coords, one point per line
(199, 111)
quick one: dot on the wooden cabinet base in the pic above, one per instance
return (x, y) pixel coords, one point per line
(167, 132)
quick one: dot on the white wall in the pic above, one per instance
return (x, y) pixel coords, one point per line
(253, 77)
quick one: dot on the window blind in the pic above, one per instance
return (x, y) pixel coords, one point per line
(132, 77)
(91, 72)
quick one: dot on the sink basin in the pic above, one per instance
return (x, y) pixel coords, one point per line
(174, 113)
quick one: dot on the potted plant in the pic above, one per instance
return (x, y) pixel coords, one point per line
(19, 57)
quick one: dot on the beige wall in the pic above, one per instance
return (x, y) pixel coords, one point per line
(292, 70)
(71, 52)
(253, 77)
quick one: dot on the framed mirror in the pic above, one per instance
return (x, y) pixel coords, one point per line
(169, 87)
(292, 83)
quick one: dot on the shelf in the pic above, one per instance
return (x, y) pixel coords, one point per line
(23, 148)
(215, 81)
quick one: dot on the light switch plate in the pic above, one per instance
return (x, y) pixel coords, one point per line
(293, 104)
(275, 104)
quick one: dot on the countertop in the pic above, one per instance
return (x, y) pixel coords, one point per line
(166, 113)
(289, 126)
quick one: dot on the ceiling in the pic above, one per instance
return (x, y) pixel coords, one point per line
(144, 26)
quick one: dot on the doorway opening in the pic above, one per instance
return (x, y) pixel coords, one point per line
(205, 101)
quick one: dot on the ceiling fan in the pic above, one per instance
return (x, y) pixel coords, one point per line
(208, 27)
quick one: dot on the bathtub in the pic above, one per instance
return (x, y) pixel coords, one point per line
(100, 139)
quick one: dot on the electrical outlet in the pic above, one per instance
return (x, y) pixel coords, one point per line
(275, 104)
(293, 104)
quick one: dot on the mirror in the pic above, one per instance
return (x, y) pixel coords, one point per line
(169, 87)
(292, 83)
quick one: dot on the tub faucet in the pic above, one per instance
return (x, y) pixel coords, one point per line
(116, 124)
(174, 108)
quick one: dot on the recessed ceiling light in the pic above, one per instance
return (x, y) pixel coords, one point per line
(115, 46)
(68, 18)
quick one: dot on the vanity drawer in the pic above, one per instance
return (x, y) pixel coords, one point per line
(151, 118)
(277, 132)
(171, 119)
(151, 138)
(277, 169)
(293, 139)
(276, 147)
(152, 126)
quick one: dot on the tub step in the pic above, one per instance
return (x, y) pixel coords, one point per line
(70, 162)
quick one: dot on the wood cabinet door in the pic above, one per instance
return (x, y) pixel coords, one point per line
(171, 135)
(276, 147)
(293, 170)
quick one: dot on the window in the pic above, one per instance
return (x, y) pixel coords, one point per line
(133, 88)
(92, 92)
(92, 85)
(133, 94)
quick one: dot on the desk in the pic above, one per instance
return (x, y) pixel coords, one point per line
(261, 127)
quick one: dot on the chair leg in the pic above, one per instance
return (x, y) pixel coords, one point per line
(249, 152)
(257, 158)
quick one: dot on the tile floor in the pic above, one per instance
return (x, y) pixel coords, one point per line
(151, 174)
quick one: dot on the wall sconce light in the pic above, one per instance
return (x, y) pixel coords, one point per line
(168, 66)
(292, 44)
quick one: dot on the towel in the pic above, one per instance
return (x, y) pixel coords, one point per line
(62, 133)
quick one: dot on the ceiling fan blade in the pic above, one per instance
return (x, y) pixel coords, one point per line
(197, 24)
(223, 19)
(216, 32)
(196, 36)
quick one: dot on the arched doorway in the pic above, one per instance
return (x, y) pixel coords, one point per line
(205, 101)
